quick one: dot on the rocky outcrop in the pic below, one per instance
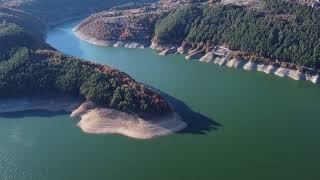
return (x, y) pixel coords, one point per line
(250, 66)
(209, 57)
(221, 56)
(196, 54)
(184, 48)
(236, 63)
(268, 69)
(128, 45)
(315, 79)
(168, 51)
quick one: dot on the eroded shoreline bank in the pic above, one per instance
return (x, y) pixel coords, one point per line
(96, 120)
(116, 44)
(209, 57)
(221, 56)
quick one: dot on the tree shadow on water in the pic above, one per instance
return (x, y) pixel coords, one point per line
(32, 113)
(197, 123)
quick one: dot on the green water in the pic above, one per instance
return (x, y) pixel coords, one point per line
(244, 125)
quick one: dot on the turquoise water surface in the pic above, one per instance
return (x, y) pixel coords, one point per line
(243, 125)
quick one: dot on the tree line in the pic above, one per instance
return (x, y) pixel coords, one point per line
(284, 31)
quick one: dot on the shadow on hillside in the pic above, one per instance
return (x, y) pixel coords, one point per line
(32, 113)
(197, 123)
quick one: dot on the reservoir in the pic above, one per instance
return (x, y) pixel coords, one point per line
(242, 125)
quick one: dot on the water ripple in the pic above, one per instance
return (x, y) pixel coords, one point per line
(10, 171)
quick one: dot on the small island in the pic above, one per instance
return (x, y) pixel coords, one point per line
(36, 76)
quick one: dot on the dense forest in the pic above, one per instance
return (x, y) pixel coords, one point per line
(174, 27)
(284, 31)
(13, 36)
(28, 69)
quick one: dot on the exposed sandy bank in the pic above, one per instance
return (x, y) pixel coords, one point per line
(167, 51)
(92, 40)
(99, 120)
(197, 54)
(109, 121)
(215, 57)
(268, 69)
(220, 56)
(130, 45)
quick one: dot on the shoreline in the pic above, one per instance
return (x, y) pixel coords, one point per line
(95, 120)
(259, 67)
(50, 103)
(95, 41)
(109, 121)
(199, 54)
(221, 57)
(209, 57)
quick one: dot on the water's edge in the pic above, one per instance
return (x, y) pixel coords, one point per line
(209, 57)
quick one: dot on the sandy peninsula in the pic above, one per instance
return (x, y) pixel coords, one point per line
(109, 121)
(97, 120)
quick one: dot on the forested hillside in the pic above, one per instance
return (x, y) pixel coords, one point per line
(175, 26)
(30, 67)
(284, 31)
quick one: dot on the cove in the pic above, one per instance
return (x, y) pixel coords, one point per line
(245, 125)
